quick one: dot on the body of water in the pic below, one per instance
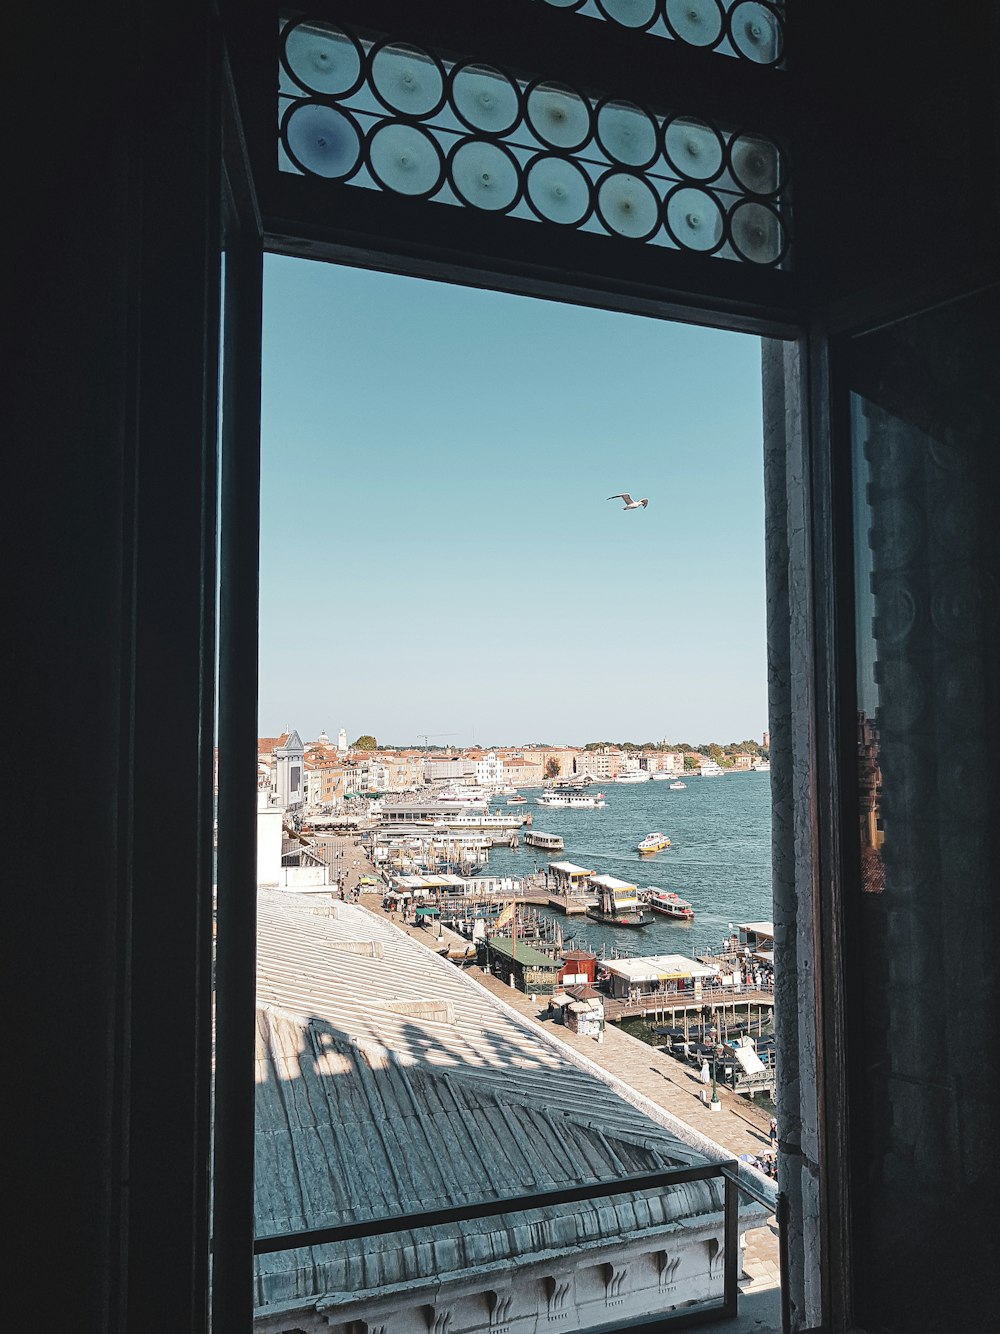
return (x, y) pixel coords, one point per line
(719, 858)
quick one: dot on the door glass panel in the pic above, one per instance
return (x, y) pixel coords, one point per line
(924, 413)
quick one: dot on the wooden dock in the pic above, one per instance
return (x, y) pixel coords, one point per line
(731, 1008)
(567, 904)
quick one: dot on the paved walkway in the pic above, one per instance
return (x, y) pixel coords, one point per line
(740, 1127)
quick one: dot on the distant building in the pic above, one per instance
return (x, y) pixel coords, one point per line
(522, 773)
(342, 741)
(289, 783)
(765, 741)
(741, 760)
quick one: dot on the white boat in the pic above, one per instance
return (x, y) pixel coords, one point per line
(678, 786)
(660, 776)
(640, 777)
(576, 800)
(667, 903)
(709, 769)
(652, 843)
(517, 801)
(762, 767)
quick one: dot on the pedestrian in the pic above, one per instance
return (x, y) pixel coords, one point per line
(773, 1132)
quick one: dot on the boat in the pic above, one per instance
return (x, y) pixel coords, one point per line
(617, 903)
(762, 767)
(551, 800)
(517, 801)
(709, 769)
(573, 799)
(652, 843)
(668, 904)
(640, 777)
(547, 842)
(660, 776)
(678, 786)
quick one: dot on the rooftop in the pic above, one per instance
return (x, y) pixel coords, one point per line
(389, 1082)
(658, 968)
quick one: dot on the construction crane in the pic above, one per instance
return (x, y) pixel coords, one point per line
(426, 736)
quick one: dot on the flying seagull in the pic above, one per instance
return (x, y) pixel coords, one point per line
(630, 504)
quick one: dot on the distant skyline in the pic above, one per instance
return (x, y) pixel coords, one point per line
(437, 553)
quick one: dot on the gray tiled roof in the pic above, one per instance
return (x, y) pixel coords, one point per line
(387, 1082)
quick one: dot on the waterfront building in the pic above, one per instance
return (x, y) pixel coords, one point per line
(568, 878)
(742, 760)
(522, 773)
(657, 975)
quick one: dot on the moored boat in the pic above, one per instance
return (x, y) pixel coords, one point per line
(652, 843)
(636, 776)
(668, 904)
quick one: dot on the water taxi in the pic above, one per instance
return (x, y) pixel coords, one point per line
(652, 843)
(517, 801)
(547, 842)
(678, 786)
(668, 904)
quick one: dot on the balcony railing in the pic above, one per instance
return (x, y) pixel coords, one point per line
(735, 1182)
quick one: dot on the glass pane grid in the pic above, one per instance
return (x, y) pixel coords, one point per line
(751, 30)
(388, 116)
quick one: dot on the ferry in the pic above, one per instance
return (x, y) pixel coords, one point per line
(660, 775)
(617, 903)
(547, 842)
(640, 777)
(670, 905)
(678, 786)
(578, 801)
(652, 843)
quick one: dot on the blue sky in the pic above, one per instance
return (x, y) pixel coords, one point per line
(437, 553)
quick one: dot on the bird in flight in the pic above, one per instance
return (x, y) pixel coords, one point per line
(630, 504)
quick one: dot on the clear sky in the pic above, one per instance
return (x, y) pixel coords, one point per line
(437, 551)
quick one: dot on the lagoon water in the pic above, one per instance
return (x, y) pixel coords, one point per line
(719, 858)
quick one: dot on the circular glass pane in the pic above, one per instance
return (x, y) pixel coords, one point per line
(485, 99)
(407, 79)
(322, 140)
(693, 148)
(626, 134)
(558, 190)
(757, 232)
(697, 22)
(694, 218)
(756, 164)
(405, 159)
(485, 175)
(628, 206)
(322, 58)
(755, 30)
(629, 13)
(558, 115)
